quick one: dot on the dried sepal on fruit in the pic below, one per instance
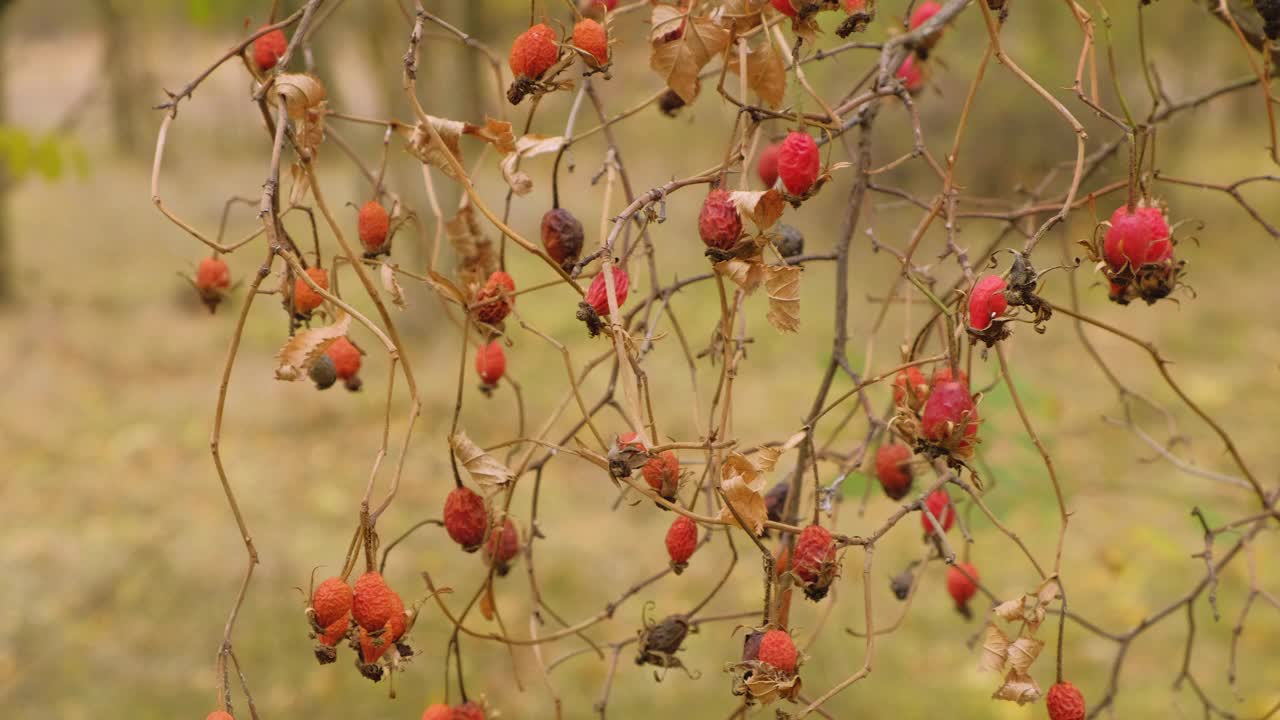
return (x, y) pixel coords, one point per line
(769, 668)
(860, 16)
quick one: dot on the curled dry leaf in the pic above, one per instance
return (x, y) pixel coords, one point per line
(300, 353)
(423, 146)
(476, 258)
(488, 473)
(763, 207)
(526, 147)
(1023, 652)
(392, 285)
(741, 482)
(995, 649)
(782, 282)
(301, 92)
(746, 274)
(1010, 610)
(678, 61)
(766, 457)
(1019, 688)
(766, 74)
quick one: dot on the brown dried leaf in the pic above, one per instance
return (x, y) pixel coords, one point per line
(301, 92)
(301, 352)
(392, 285)
(1019, 688)
(679, 61)
(1023, 652)
(743, 14)
(746, 274)
(476, 258)
(764, 207)
(487, 472)
(995, 649)
(766, 458)
(1049, 591)
(1010, 610)
(527, 147)
(742, 484)
(766, 73)
(422, 146)
(782, 282)
(495, 132)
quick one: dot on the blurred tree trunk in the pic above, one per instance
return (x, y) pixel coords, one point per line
(6, 257)
(123, 82)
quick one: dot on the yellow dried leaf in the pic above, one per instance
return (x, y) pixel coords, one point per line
(766, 73)
(1018, 688)
(783, 285)
(1023, 652)
(495, 132)
(995, 649)
(1049, 591)
(304, 349)
(487, 472)
(763, 207)
(679, 61)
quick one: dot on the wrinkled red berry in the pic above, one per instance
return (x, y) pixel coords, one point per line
(1137, 238)
(719, 223)
(598, 292)
(533, 52)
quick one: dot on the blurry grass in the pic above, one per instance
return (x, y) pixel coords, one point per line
(124, 558)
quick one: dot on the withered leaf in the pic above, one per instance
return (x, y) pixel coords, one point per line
(742, 482)
(679, 61)
(995, 649)
(766, 73)
(782, 282)
(1010, 610)
(487, 472)
(1049, 591)
(301, 352)
(526, 147)
(746, 274)
(764, 207)
(430, 151)
(766, 457)
(1018, 688)
(476, 258)
(301, 92)
(1023, 652)
(392, 285)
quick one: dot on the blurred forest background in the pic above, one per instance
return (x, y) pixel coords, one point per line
(121, 559)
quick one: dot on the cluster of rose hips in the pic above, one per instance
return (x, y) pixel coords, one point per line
(536, 54)
(939, 417)
(381, 622)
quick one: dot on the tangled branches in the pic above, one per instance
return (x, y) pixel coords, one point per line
(711, 482)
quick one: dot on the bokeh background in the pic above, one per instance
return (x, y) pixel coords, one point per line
(120, 556)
